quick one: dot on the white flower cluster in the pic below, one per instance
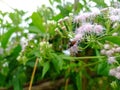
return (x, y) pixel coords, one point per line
(115, 72)
(110, 51)
(114, 14)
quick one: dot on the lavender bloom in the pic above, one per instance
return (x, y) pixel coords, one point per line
(109, 52)
(98, 29)
(114, 18)
(106, 46)
(117, 75)
(78, 37)
(112, 72)
(111, 60)
(82, 17)
(86, 28)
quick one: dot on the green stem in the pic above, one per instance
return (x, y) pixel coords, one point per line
(77, 58)
(92, 64)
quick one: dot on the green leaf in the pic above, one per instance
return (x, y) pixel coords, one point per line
(113, 39)
(45, 68)
(79, 81)
(103, 68)
(6, 36)
(38, 21)
(15, 17)
(16, 83)
(33, 29)
(100, 3)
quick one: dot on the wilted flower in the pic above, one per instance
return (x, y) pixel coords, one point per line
(74, 49)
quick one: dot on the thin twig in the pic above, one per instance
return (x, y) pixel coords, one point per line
(33, 74)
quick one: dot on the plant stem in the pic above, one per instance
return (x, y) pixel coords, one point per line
(87, 57)
(33, 74)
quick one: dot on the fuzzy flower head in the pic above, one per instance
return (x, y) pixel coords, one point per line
(84, 17)
(85, 28)
(114, 18)
(98, 29)
(89, 28)
(111, 60)
(78, 37)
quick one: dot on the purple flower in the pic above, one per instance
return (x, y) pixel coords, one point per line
(114, 18)
(98, 29)
(78, 37)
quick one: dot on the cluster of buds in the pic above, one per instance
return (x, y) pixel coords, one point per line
(110, 51)
(115, 72)
(65, 26)
(114, 14)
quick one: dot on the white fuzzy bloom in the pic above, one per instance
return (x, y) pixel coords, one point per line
(118, 69)
(117, 75)
(98, 29)
(115, 11)
(66, 52)
(78, 37)
(85, 28)
(111, 60)
(103, 51)
(114, 18)
(30, 36)
(82, 17)
(109, 52)
(117, 49)
(113, 49)
(95, 13)
(106, 46)
(112, 72)
(23, 42)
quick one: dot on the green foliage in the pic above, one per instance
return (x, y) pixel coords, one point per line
(52, 43)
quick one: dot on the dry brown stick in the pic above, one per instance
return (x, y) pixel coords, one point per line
(33, 74)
